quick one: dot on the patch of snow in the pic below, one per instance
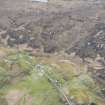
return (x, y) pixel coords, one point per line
(45, 1)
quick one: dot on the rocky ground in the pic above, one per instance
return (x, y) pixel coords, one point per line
(53, 26)
(75, 28)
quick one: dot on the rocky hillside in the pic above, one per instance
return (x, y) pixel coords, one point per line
(54, 26)
(91, 45)
(65, 38)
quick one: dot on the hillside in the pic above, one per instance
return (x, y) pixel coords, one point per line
(52, 53)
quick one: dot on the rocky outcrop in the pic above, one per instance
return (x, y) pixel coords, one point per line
(91, 45)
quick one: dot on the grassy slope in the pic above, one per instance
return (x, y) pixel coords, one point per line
(19, 77)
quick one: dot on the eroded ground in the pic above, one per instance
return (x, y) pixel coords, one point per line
(73, 31)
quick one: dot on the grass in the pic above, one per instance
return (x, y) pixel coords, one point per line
(39, 90)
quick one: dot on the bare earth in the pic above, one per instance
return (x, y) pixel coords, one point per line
(54, 26)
